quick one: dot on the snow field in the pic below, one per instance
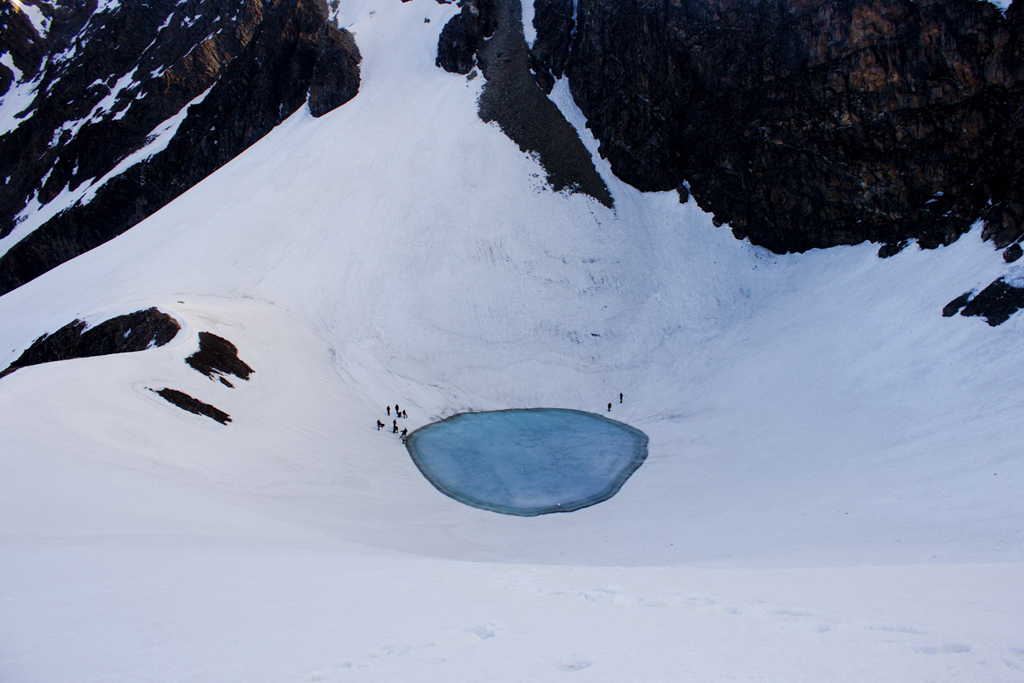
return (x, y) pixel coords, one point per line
(832, 491)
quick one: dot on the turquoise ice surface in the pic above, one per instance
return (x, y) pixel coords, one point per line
(528, 462)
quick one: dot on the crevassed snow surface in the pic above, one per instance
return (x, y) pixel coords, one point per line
(833, 486)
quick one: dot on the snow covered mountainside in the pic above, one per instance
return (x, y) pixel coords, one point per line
(833, 486)
(112, 111)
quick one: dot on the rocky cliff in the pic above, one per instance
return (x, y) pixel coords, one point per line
(806, 123)
(111, 110)
(464, 34)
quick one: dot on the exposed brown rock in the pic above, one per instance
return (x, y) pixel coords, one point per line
(335, 78)
(217, 357)
(954, 306)
(996, 303)
(463, 34)
(806, 123)
(126, 333)
(193, 405)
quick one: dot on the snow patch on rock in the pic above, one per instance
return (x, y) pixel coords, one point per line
(18, 99)
(35, 215)
(40, 22)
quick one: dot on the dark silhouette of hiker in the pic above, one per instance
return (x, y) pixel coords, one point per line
(609, 407)
(404, 414)
(620, 397)
(405, 433)
(395, 430)
(389, 411)
(398, 411)
(394, 423)
(379, 425)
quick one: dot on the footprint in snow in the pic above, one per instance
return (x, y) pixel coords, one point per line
(575, 665)
(944, 649)
(898, 628)
(484, 632)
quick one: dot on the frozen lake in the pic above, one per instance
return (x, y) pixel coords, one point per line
(528, 462)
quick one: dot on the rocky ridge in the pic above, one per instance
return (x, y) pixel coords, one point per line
(94, 139)
(806, 123)
(127, 333)
(464, 33)
(803, 123)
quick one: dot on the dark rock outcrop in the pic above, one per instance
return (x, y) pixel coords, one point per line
(512, 99)
(996, 303)
(806, 123)
(462, 35)
(217, 357)
(193, 405)
(136, 331)
(1012, 253)
(550, 52)
(954, 306)
(229, 71)
(335, 78)
(489, 34)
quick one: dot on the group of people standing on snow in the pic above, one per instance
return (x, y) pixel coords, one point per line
(399, 413)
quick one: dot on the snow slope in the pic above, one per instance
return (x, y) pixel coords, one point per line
(833, 486)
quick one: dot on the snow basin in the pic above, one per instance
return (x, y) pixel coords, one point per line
(528, 462)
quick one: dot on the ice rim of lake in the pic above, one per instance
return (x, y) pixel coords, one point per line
(636, 459)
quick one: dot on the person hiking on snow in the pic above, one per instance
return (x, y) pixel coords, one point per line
(404, 414)
(379, 425)
(609, 407)
(389, 411)
(405, 433)
(620, 397)
(395, 430)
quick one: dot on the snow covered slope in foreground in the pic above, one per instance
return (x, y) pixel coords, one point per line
(833, 486)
